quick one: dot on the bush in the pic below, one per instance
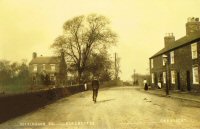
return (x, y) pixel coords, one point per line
(112, 83)
(126, 83)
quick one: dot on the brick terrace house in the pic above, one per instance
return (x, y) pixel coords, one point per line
(44, 65)
(183, 57)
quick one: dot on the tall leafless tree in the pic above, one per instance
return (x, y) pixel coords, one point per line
(82, 36)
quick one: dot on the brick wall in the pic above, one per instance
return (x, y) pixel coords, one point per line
(15, 105)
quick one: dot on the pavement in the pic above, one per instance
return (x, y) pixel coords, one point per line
(116, 108)
(186, 95)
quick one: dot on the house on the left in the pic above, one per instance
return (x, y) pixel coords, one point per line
(44, 66)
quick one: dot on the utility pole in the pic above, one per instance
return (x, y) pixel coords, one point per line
(134, 76)
(115, 66)
(167, 76)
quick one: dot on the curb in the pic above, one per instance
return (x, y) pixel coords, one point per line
(171, 96)
(176, 97)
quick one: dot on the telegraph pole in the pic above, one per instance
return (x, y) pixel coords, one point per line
(167, 78)
(115, 66)
(134, 76)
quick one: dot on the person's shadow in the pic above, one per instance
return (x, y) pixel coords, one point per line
(103, 101)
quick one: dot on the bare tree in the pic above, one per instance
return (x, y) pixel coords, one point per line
(82, 36)
(13, 73)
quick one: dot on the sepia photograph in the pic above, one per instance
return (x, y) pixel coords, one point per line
(99, 64)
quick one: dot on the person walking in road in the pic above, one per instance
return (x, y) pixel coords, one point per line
(95, 88)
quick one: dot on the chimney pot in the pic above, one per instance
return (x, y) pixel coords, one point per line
(168, 39)
(192, 25)
(34, 55)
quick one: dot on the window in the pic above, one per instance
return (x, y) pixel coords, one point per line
(53, 67)
(151, 63)
(163, 61)
(194, 50)
(164, 77)
(172, 57)
(35, 68)
(195, 74)
(152, 78)
(173, 77)
(43, 67)
(52, 77)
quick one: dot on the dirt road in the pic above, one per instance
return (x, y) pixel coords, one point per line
(116, 108)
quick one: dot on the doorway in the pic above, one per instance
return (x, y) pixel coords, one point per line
(188, 81)
(178, 81)
(156, 80)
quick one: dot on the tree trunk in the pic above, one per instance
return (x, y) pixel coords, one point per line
(79, 76)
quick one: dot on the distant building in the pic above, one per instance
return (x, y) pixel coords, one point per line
(44, 65)
(183, 60)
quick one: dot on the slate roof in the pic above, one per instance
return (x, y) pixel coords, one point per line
(179, 43)
(45, 60)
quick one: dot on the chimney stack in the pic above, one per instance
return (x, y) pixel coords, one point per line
(192, 26)
(169, 39)
(34, 55)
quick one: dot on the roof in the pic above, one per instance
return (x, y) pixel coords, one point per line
(45, 60)
(179, 43)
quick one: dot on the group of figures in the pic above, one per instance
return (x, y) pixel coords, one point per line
(145, 85)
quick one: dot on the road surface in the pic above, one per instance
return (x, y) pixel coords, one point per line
(116, 108)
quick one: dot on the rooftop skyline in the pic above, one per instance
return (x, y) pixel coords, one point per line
(32, 26)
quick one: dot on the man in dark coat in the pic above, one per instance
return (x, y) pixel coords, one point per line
(95, 88)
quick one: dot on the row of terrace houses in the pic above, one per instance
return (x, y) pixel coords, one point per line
(182, 71)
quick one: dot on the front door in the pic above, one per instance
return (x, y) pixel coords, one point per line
(156, 80)
(188, 81)
(178, 80)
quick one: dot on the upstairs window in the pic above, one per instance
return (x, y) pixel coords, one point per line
(35, 68)
(151, 63)
(195, 75)
(173, 77)
(194, 50)
(172, 57)
(53, 67)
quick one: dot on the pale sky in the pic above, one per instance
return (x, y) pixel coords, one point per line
(28, 26)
